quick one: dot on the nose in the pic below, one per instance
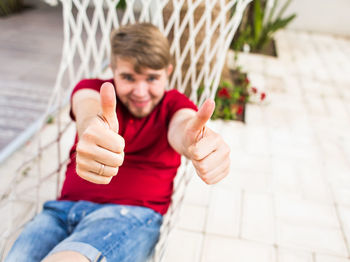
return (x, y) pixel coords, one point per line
(140, 89)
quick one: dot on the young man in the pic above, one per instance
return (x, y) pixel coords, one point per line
(130, 134)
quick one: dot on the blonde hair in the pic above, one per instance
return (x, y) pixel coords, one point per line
(142, 44)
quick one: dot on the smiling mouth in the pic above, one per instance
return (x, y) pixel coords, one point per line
(140, 104)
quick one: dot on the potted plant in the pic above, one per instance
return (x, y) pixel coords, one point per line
(231, 98)
(261, 20)
(8, 7)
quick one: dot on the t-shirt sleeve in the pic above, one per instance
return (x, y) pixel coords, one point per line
(94, 84)
(177, 101)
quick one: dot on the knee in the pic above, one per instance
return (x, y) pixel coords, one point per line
(66, 256)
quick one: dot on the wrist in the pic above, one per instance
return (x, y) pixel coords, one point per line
(83, 124)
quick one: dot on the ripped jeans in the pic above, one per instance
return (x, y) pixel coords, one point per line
(100, 232)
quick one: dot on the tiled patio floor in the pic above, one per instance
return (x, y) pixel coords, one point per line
(287, 198)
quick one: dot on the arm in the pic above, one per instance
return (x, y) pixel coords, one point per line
(207, 150)
(85, 107)
(100, 150)
(176, 127)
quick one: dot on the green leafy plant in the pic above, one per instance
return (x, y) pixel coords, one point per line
(50, 119)
(121, 4)
(231, 98)
(230, 101)
(10, 6)
(258, 25)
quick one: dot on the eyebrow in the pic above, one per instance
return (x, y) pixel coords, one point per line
(126, 75)
(153, 75)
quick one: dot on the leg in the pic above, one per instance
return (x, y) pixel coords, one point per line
(114, 233)
(39, 236)
(66, 256)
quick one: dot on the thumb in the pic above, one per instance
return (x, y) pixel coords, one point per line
(203, 115)
(108, 104)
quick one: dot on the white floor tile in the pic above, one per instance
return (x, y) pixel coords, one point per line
(193, 218)
(229, 250)
(344, 213)
(184, 246)
(312, 239)
(306, 213)
(293, 255)
(198, 192)
(325, 258)
(224, 213)
(258, 222)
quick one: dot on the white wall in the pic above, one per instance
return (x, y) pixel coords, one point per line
(328, 16)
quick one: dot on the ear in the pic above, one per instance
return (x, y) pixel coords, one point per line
(170, 69)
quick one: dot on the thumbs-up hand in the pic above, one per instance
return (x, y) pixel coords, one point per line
(100, 150)
(208, 151)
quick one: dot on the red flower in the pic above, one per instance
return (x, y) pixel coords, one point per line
(254, 90)
(246, 80)
(241, 98)
(262, 96)
(224, 93)
(240, 110)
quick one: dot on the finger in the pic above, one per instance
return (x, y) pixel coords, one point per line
(208, 174)
(105, 138)
(216, 175)
(203, 147)
(219, 157)
(100, 154)
(92, 177)
(108, 104)
(116, 144)
(203, 115)
(95, 167)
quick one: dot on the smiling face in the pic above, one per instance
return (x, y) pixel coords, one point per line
(139, 92)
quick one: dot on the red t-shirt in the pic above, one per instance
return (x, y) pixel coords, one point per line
(150, 163)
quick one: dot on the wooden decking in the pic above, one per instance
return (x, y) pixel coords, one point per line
(30, 50)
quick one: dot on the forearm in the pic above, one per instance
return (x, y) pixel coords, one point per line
(176, 134)
(85, 106)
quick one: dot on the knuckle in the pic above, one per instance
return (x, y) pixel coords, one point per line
(118, 160)
(80, 162)
(206, 180)
(111, 171)
(119, 143)
(88, 135)
(81, 148)
(78, 170)
(122, 143)
(104, 180)
(78, 159)
(202, 169)
(114, 171)
(195, 154)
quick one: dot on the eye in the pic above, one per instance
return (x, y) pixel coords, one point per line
(128, 78)
(152, 78)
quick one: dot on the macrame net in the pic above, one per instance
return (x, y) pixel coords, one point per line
(200, 33)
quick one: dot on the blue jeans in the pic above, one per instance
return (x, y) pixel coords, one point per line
(100, 232)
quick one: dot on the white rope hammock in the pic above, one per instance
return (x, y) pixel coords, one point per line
(200, 31)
